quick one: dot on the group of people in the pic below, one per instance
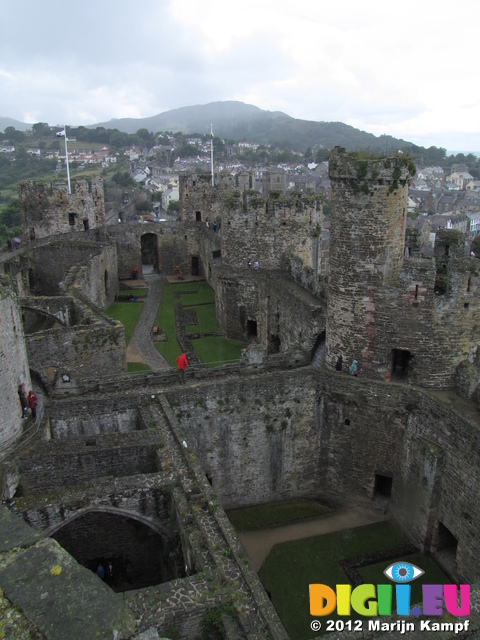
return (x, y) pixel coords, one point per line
(105, 574)
(214, 224)
(27, 401)
(15, 243)
(353, 369)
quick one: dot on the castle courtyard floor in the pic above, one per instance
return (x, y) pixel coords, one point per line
(259, 543)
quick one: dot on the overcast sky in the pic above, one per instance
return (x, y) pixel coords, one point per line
(407, 68)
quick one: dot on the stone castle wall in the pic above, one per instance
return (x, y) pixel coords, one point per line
(270, 230)
(199, 200)
(15, 369)
(52, 466)
(175, 243)
(393, 311)
(286, 317)
(80, 351)
(256, 438)
(431, 452)
(51, 210)
(96, 280)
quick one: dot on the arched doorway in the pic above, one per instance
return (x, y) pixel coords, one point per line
(133, 554)
(149, 248)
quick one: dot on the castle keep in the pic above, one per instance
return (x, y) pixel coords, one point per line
(140, 467)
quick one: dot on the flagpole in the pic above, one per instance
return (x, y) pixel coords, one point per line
(211, 153)
(66, 159)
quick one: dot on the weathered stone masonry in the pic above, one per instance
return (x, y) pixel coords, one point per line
(393, 313)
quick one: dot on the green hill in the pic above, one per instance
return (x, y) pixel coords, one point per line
(245, 122)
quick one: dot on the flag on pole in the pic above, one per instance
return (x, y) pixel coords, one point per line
(61, 134)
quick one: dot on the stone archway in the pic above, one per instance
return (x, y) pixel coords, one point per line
(149, 249)
(139, 552)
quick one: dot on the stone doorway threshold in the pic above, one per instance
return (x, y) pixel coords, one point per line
(259, 543)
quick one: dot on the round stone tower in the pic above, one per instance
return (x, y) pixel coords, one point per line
(367, 237)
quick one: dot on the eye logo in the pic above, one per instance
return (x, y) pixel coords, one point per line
(403, 572)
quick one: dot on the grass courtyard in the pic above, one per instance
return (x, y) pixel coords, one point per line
(198, 302)
(127, 313)
(199, 298)
(292, 566)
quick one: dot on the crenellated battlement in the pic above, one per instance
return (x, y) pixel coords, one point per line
(401, 315)
(49, 210)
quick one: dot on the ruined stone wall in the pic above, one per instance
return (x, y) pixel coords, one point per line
(287, 317)
(439, 476)
(238, 301)
(431, 451)
(53, 465)
(257, 439)
(394, 312)
(273, 181)
(251, 227)
(177, 242)
(48, 265)
(94, 350)
(51, 210)
(199, 200)
(73, 422)
(14, 369)
(96, 280)
(271, 232)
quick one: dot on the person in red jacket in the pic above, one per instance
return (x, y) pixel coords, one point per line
(181, 366)
(32, 403)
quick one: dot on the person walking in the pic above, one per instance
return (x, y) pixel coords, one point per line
(32, 403)
(22, 396)
(182, 364)
(354, 368)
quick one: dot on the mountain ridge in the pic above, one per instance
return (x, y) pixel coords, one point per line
(239, 121)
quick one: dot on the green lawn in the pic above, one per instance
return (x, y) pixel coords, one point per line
(204, 293)
(127, 313)
(216, 351)
(211, 351)
(135, 367)
(206, 319)
(166, 322)
(138, 293)
(270, 515)
(292, 566)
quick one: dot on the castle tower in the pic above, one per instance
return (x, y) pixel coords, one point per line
(51, 210)
(367, 236)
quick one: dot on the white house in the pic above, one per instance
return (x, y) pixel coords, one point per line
(473, 223)
(170, 195)
(460, 178)
(473, 185)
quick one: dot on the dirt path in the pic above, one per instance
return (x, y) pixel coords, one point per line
(258, 544)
